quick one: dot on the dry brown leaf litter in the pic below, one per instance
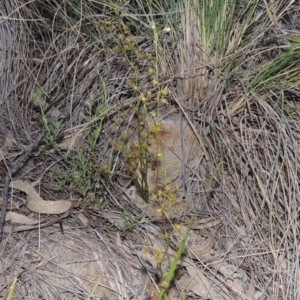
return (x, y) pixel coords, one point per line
(250, 144)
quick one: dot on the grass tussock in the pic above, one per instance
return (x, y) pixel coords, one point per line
(102, 79)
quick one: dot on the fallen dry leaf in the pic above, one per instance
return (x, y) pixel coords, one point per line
(196, 282)
(10, 229)
(36, 203)
(83, 219)
(70, 143)
(19, 219)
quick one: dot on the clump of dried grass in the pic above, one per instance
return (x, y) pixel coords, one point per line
(249, 125)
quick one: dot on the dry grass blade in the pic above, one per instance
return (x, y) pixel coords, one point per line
(194, 61)
(91, 74)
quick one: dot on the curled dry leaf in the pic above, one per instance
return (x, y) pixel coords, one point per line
(10, 229)
(20, 219)
(36, 203)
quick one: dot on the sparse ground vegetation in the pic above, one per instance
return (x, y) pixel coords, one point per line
(169, 149)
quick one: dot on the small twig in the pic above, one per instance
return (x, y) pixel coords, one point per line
(183, 168)
(9, 175)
